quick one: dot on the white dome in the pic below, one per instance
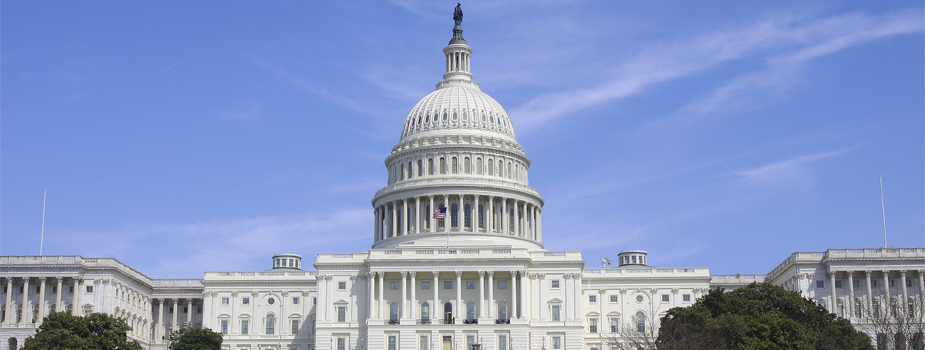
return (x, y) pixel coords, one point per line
(458, 107)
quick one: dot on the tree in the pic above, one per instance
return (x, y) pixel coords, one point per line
(759, 316)
(195, 339)
(61, 330)
(894, 322)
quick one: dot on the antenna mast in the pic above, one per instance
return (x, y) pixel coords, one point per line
(883, 210)
(42, 239)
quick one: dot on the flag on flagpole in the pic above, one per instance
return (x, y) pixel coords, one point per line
(440, 213)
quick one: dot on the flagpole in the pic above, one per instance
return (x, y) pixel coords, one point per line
(42, 239)
(883, 210)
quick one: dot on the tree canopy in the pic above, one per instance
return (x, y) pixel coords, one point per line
(195, 339)
(759, 316)
(61, 330)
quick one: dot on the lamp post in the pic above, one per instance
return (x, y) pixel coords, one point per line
(510, 342)
(361, 344)
(544, 342)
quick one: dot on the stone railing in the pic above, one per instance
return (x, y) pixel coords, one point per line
(61, 260)
(226, 275)
(643, 271)
(857, 253)
(444, 180)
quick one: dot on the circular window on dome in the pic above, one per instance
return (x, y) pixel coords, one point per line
(639, 298)
(465, 116)
(444, 116)
(420, 118)
(271, 301)
(427, 118)
(455, 116)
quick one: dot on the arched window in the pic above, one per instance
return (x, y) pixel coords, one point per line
(470, 311)
(427, 119)
(455, 168)
(500, 168)
(478, 166)
(455, 116)
(271, 324)
(466, 167)
(491, 167)
(420, 168)
(508, 170)
(465, 116)
(502, 311)
(426, 215)
(483, 117)
(640, 322)
(481, 216)
(511, 219)
(441, 223)
(448, 313)
(454, 215)
(444, 116)
(468, 210)
(399, 221)
(402, 172)
(393, 312)
(442, 165)
(410, 170)
(425, 312)
(430, 166)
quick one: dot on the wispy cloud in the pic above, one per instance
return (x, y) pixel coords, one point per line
(246, 110)
(789, 40)
(794, 172)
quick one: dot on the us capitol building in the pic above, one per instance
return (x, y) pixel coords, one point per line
(457, 259)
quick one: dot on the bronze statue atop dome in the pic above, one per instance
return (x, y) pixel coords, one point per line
(457, 14)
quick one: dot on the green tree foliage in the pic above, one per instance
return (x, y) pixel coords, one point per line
(61, 330)
(759, 316)
(195, 339)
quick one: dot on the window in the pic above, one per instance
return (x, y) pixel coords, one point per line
(592, 298)
(341, 344)
(820, 284)
(425, 285)
(470, 311)
(665, 298)
(470, 339)
(840, 309)
(686, 297)
(467, 209)
(70, 290)
(502, 342)
(454, 215)
(470, 285)
(873, 283)
(554, 284)
(393, 285)
(424, 344)
(857, 309)
(392, 345)
(393, 312)
(342, 313)
(891, 286)
(640, 322)
(613, 298)
(271, 324)
(447, 284)
(837, 283)
(592, 325)
(557, 343)
(502, 311)
(170, 310)
(425, 312)
(857, 284)
(224, 326)
(341, 285)
(199, 310)
(614, 324)
(555, 312)
(295, 326)
(909, 283)
(502, 284)
(245, 301)
(314, 301)
(244, 326)
(186, 310)
(295, 301)
(90, 289)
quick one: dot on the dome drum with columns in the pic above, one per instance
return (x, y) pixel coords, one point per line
(458, 150)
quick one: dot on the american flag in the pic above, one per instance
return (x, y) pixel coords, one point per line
(440, 213)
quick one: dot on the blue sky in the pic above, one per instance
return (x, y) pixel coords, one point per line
(182, 137)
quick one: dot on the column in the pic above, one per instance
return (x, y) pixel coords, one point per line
(539, 224)
(394, 219)
(491, 294)
(404, 295)
(475, 217)
(481, 294)
(850, 298)
(176, 302)
(503, 217)
(381, 294)
(462, 213)
(430, 216)
(886, 293)
(413, 301)
(517, 224)
(490, 222)
(405, 218)
(458, 288)
(435, 306)
(905, 302)
(921, 288)
(159, 325)
(189, 311)
(9, 300)
(417, 215)
(41, 314)
(234, 311)
(25, 301)
(514, 292)
(576, 290)
(376, 225)
(370, 285)
(540, 287)
(58, 306)
(833, 308)
(322, 298)
(567, 313)
(870, 299)
(447, 222)
(525, 311)
(75, 301)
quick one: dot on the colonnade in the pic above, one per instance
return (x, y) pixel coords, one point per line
(873, 296)
(34, 313)
(162, 327)
(490, 214)
(501, 308)
(454, 162)
(457, 60)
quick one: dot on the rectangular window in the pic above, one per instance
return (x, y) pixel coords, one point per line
(89, 289)
(686, 297)
(592, 325)
(224, 326)
(857, 284)
(613, 298)
(295, 301)
(908, 283)
(245, 326)
(224, 301)
(857, 309)
(502, 284)
(555, 312)
(891, 283)
(665, 298)
(841, 310)
(425, 284)
(447, 285)
(502, 342)
(341, 314)
(470, 285)
(873, 283)
(837, 283)
(38, 289)
(392, 345)
(54, 289)
(393, 285)
(20, 289)
(614, 325)
(170, 310)
(341, 286)
(185, 310)
(295, 326)
(245, 301)
(70, 290)
(341, 344)
(556, 343)
(820, 284)
(199, 310)
(592, 298)
(554, 284)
